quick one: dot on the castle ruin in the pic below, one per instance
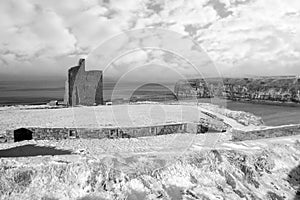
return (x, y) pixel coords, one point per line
(83, 87)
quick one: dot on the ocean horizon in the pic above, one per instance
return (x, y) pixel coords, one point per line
(40, 92)
(30, 92)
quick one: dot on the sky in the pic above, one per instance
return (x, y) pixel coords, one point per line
(42, 39)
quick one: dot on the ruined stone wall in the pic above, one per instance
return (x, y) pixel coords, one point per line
(111, 132)
(99, 133)
(238, 135)
(129, 132)
(83, 87)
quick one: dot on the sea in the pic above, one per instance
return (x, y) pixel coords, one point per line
(30, 92)
(41, 92)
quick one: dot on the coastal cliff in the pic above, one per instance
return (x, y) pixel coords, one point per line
(273, 90)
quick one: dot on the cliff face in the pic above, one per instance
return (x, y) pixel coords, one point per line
(83, 87)
(193, 88)
(282, 90)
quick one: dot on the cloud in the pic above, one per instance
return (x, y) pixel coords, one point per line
(27, 37)
(262, 35)
(45, 36)
(220, 8)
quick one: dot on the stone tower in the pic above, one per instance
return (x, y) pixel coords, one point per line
(83, 87)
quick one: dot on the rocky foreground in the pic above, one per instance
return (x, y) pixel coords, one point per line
(262, 169)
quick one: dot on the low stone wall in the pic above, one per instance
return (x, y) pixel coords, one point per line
(238, 135)
(38, 133)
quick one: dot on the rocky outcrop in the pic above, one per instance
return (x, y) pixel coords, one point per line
(283, 90)
(271, 173)
(83, 87)
(192, 88)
